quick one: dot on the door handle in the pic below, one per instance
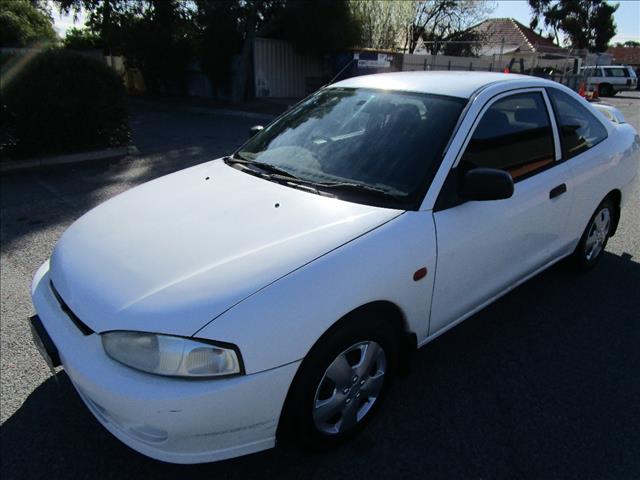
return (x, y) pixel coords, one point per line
(557, 191)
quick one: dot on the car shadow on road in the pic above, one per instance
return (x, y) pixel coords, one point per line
(544, 383)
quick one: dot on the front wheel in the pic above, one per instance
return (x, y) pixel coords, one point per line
(595, 237)
(341, 384)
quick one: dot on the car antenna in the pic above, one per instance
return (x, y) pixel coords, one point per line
(338, 74)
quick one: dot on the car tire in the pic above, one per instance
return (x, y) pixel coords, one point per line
(341, 384)
(595, 237)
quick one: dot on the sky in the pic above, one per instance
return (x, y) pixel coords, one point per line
(627, 17)
(62, 23)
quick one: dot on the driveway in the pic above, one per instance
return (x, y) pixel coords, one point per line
(544, 383)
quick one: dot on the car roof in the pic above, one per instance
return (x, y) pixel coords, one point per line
(454, 84)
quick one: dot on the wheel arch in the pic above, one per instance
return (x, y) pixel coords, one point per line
(406, 340)
(392, 314)
(616, 197)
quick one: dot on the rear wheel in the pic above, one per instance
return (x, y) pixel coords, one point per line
(596, 235)
(340, 385)
(605, 90)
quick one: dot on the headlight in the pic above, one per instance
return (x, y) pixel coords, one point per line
(171, 356)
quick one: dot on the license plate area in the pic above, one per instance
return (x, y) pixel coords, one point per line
(43, 343)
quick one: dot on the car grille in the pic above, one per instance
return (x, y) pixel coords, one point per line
(72, 316)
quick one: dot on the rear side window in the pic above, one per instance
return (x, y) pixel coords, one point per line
(513, 135)
(579, 128)
(616, 72)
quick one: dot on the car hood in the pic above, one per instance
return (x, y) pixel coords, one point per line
(172, 254)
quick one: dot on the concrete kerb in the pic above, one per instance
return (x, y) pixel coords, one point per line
(107, 153)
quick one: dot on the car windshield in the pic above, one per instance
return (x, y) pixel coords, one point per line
(372, 141)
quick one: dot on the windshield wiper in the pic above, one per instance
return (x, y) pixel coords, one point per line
(279, 174)
(264, 167)
(361, 188)
(274, 173)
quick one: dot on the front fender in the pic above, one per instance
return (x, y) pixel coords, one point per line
(280, 323)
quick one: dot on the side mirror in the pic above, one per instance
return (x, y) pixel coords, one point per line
(486, 184)
(255, 129)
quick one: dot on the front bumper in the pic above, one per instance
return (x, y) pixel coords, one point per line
(173, 420)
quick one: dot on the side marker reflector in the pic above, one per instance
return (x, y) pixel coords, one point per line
(420, 274)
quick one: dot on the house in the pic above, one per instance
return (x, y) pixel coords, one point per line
(512, 42)
(507, 35)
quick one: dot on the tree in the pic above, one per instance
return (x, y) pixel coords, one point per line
(220, 38)
(383, 22)
(23, 23)
(157, 36)
(166, 51)
(164, 38)
(551, 15)
(466, 43)
(82, 39)
(439, 21)
(628, 44)
(322, 26)
(105, 18)
(587, 24)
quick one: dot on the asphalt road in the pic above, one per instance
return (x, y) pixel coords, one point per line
(545, 383)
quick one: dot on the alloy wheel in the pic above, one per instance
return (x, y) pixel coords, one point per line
(349, 388)
(597, 234)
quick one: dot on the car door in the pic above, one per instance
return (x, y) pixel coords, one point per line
(581, 136)
(488, 247)
(598, 75)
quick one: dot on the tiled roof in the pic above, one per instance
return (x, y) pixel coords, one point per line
(625, 55)
(517, 37)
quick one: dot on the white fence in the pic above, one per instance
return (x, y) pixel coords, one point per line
(491, 63)
(412, 62)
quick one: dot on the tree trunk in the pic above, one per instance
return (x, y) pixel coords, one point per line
(106, 26)
(244, 73)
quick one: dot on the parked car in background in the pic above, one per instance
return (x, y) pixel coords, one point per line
(611, 79)
(275, 294)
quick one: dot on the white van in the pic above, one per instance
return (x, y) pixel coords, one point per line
(610, 79)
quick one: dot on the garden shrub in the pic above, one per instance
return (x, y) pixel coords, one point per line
(62, 102)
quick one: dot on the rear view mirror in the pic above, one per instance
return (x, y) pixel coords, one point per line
(255, 129)
(486, 184)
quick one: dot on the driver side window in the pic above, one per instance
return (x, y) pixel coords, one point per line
(513, 135)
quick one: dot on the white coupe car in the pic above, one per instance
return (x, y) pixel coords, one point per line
(274, 294)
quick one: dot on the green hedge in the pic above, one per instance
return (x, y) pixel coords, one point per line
(62, 102)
